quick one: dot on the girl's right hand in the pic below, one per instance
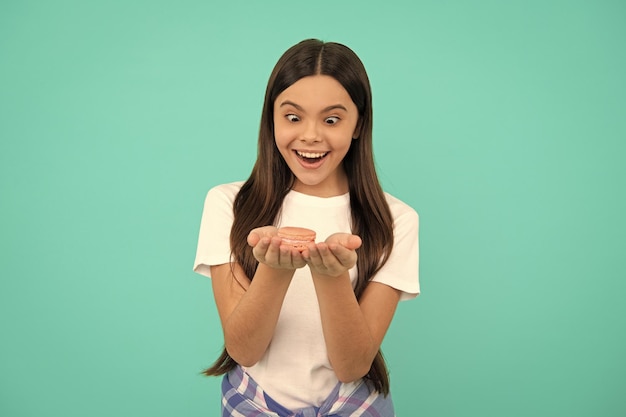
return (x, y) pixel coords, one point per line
(267, 249)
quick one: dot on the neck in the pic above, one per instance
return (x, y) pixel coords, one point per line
(331, 187)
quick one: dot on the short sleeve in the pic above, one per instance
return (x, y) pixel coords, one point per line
(214, 236)
(401, 271)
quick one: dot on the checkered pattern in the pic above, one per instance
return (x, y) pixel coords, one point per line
(242, 397)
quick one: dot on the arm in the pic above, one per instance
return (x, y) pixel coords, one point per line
(353, 331)
(249, 309)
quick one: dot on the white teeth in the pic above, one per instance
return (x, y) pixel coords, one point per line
(311, 155)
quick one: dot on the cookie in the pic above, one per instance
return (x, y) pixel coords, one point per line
(296, 237)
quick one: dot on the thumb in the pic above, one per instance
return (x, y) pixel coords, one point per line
(352, 242)
(253, 238)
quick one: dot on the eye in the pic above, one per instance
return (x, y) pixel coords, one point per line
(331, 120)
(292, 118)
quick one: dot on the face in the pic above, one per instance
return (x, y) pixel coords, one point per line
(315, 121)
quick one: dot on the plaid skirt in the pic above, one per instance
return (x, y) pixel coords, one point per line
(242, 397)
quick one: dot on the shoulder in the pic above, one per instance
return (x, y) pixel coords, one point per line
(224, 192)
(401, 210)
(401, 270)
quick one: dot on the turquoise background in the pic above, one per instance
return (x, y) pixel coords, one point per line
(502, 123)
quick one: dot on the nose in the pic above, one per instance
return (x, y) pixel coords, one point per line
(310, 132)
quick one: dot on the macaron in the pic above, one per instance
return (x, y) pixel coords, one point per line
(296, 237)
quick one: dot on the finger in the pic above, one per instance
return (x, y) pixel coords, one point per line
(269, 231)
(306, 253)
(259, 250)
(347, 240)
(313, 257)
(343, 255)
(325, 258)
(290, 257)
(297, 259)
(253, 238)
(353, 242)
(272, 256)
(265, 231)
(285, 256)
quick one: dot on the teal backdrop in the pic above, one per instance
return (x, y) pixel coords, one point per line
(501, 123)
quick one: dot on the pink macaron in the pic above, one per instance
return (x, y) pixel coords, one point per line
(296, 237)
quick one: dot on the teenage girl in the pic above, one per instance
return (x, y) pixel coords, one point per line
(303, 330)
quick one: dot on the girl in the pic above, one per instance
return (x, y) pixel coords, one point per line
(303, 330)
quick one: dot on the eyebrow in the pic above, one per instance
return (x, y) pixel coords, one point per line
(332, 107)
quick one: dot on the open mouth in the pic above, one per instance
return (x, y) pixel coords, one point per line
(311, 157)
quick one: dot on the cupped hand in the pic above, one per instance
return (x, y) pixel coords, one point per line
(334, 256)
(267, 249)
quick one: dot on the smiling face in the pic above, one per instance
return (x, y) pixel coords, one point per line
(314, 123)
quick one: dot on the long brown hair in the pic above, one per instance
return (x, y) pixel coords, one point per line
(259, 201)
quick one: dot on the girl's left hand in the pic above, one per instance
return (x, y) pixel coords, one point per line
(334, 256)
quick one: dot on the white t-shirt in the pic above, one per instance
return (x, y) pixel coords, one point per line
(295, 370)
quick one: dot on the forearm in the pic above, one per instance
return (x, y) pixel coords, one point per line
(351, 347)
(250, 326)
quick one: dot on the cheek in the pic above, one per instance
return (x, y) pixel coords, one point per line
(277, 129)
(283, 133)
(343, 138)
(279, 136)
(282, 141)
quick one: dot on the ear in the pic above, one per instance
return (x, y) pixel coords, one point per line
(357, 130)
